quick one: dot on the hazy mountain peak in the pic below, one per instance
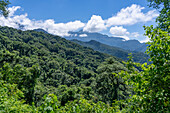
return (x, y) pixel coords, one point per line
(132, 45)
(41, 30)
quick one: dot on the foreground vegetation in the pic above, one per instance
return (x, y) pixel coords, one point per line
(44, 73)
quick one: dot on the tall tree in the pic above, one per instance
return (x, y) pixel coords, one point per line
(109, 87)
(151, 86)
(163, 19)
(3, 7)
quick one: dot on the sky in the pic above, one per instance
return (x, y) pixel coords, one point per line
(123, 18)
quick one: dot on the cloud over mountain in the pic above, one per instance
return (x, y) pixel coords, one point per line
(126, 16)
(49, 25)
(119, 31)
(95, 24)
(83, 35)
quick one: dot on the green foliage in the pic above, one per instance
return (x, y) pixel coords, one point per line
(139, 57)
(85, 106)
(3, 7)
(25, 78)
(41, 64)
(51, 105)
(151, 85)
(164, 8)
(110, 87)
(11, 99)
(34, 64)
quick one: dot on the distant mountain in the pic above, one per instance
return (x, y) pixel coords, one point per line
(41, 30)
(114, 51)
(132, 45)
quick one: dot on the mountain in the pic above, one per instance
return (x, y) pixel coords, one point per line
(117, 51)
(40, 64)
(132, 45)
(114, 51)
(41, 30)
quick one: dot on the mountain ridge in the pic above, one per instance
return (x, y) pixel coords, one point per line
(62, 67)
(114, 51)
(132, 45)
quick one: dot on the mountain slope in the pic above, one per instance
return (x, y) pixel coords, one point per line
(114, 51)
(132, 45)
(61, 67)
(41, 30)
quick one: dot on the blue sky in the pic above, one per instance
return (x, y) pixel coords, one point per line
(124, 18)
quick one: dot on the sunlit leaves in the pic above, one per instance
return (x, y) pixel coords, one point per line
(3, 7)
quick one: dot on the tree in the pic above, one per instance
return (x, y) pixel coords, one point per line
(11, 99)
(3, 7)
(164, 8)
(151, 85)
(109, 87)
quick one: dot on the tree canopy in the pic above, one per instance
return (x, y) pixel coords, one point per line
(3, 7)
(151, 85)
(41, 72)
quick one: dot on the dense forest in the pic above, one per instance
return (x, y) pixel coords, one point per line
(41, 72)
(139, 57)
(41, 64)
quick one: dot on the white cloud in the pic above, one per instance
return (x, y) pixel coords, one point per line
(145, 40)
(122, 32)
(61, 29)
(13, 9)
(83, 35)
(49, 25)
(75, 35)
(95, 24)
(135, 34)
(118, 31)
(131, 15)
(127, 16)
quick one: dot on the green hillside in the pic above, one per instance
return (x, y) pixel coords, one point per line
(41, 64)
(114, 51)
(43, 73)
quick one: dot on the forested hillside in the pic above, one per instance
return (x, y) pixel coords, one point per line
(139, 57)
(44, 73)
(40, 64)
